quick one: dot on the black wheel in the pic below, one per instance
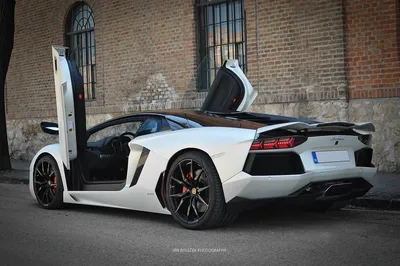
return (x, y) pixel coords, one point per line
(194, 193)
(47, 183)
(328, 206)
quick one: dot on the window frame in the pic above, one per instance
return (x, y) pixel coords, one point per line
(76, 53)
(129, 119)
(204, 81)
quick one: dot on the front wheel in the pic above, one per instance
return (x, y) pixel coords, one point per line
(47, 183)
(194, 193)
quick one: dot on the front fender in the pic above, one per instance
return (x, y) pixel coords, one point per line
(54, 151)
(227, 147)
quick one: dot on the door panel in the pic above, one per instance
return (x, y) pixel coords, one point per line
(70, 105)
(231, 91)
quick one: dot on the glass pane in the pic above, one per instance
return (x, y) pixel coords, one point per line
(218, 56)
(89, 91)
(224, 31)
(89, 74)
(84, 57)
(91, 21)
(217, 17)
(231, 15)
(238, 9)
(83, 44)
(224, 53)
(211, 57)
(239, 30)
(85, 90)
(84, 74)
(217, 34)
(92, 40)
(231, 32)
(232, 51)
(240, 53)
(223, 13)
(209, 15)
(93, 55)
(210, 35)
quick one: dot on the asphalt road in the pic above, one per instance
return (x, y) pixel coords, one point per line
(80, 235)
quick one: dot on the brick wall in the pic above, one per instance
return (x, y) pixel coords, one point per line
(144, 48)
(373, 32)
(300, 51)
(146, 53)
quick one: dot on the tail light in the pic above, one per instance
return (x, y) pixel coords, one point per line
(277, 143)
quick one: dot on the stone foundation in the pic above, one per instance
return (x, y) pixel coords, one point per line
(385, 115)
(26, 138)
(325, 111)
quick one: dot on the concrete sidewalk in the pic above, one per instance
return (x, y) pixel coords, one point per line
(18, 175)
(384, 195)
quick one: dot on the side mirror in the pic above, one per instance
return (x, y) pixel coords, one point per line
(49, 128)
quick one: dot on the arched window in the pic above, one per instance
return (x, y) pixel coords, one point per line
(80, 39)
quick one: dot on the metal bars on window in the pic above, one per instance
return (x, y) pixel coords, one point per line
(221, 37)
(80, 35)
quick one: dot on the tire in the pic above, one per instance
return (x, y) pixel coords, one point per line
(189, 185)
(47, 183)
(328, 206)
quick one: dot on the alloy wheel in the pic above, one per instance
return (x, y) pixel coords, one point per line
(44, 182)
(189, 191)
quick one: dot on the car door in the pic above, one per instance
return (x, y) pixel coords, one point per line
(230, 91)
(70, 106)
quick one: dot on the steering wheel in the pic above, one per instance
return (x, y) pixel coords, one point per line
(128, 134)
(125, 147)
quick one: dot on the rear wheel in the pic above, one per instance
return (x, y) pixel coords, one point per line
(194, 193)
(47, 183)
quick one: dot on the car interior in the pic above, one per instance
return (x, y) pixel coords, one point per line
(106, 156)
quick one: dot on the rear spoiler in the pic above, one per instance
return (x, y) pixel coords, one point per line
(334, 126)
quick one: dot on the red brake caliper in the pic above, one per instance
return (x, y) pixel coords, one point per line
(188, 177)
(55, 186)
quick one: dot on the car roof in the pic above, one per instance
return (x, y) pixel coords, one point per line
(200, 117)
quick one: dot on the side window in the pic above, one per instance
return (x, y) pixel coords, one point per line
(177, 123)
(151, 125)
(174, 125)
(116, 130)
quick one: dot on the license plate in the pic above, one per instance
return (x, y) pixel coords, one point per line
(330, 156)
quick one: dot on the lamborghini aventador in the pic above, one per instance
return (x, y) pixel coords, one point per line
(204, 166)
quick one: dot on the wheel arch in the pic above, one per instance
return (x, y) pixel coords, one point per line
(182, 151)
(161, 180)
(53, 151)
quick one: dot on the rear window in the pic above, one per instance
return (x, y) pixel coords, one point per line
(177, 123)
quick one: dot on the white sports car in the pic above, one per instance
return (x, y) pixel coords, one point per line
(202, 167)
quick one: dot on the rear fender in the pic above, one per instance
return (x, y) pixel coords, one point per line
(227, 147)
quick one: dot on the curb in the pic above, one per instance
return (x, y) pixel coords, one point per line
(14, 176)
(11, 180)
(377, 203)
